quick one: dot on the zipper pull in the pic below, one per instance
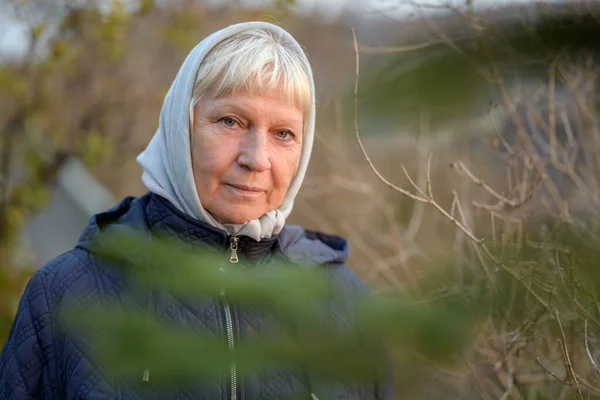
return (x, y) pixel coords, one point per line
(146, 375)
(233, 246)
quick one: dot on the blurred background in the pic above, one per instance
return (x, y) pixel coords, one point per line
(481, 115)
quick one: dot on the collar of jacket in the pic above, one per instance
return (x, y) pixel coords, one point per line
(151, 213)
(164, 218)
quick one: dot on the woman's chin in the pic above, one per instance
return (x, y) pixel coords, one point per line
(237, 216)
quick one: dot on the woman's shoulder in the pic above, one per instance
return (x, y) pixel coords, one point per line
(313, 248)
(79, 271)
(76, 274)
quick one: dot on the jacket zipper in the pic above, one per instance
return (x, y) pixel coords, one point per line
(233, 258)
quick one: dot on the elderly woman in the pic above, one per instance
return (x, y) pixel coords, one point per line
(229, 156)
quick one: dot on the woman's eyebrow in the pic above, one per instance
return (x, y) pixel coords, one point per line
(288, 121)
(240, 109)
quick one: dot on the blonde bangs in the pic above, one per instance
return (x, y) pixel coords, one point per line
(258, 62)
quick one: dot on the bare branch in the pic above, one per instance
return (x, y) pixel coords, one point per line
(362, 147)
(452, 44)
(587, 348)
(475, 244)
(552, 110)
(412, 182)
(429, 178)
(507, 146)
(537, 359)
(380, 265)
(396, 49)
(537, 163)
(454, 201)
(461, 167)
(568, 364)
(509, 386)
(503, 205)
(413, 196)
(419, 209)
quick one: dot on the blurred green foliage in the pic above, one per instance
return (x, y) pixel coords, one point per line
(297, 297)
(438, 322)
(453, 74)
(437, 81)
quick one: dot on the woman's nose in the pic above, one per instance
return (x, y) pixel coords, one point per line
(254, 151)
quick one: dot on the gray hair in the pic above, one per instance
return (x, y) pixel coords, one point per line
(257, 61)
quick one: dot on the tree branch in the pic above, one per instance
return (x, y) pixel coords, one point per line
(587, 349)
(424, 199)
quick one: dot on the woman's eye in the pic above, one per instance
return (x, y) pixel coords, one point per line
(227, 121)
(285, 135)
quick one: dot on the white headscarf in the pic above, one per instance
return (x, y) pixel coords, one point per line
(167, 161)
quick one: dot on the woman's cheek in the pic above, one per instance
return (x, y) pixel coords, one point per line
(292, 160)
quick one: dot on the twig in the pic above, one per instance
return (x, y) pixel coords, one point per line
(396, 49)
(510, 220)
(587, 348)
(427, 199)
(459, 165)
(538, 164)
(552, 110)
(514, 275)
(554, 148)
(568, 363)
(506, 145)
(405, 192)
(568, 129)
(537, 359)
(454, 201)
(586, 111)
(503, 202)
(475, 245)
(493, 222)
(477, 380)
(404, 251)
(375, 259)
(412, 182)
(429, 191)
(419, 209)
(441, 35)
(586, 312)
(509, 386)
(356, 130)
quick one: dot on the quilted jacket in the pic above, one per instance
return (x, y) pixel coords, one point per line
(40, 361)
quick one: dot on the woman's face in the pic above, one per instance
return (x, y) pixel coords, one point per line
(245, 149)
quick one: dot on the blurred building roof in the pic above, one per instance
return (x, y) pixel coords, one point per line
(75, 197)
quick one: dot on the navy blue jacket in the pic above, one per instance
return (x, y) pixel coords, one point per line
(40, 361)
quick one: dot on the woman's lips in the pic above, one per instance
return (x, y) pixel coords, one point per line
(250, 191)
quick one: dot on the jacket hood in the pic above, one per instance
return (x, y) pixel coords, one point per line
(150, 211)
(312, 248)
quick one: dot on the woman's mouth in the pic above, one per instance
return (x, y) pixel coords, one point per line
(244, 190)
